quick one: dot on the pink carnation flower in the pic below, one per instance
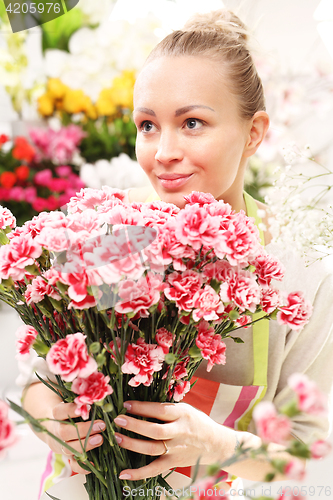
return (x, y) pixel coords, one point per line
(181, 288)
(207, 304)
(91, 389)
(195, 227)
(139, 296)
(297, 311)
(268, 268)
(142, 360)
(295, 470)
(21, 252)
(243, 290)
(179, 389)
(37, 290)
(7, 219)
(211, 346)
(320, 449)
(200, 198)
(69, 358)
(7, 430)
(164, 338)
(270, 300)
(271, 427)
(26, 336)
(310, 399)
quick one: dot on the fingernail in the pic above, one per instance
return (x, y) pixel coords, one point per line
(118, 438)
(127, 405)
(124, 476)
(120, 421)
(96, 439)
(99, 426)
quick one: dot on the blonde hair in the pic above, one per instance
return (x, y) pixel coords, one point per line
(222, 36)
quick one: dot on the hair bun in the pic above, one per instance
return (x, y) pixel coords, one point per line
(222, 20)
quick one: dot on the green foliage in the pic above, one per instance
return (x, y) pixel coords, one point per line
(56, 33)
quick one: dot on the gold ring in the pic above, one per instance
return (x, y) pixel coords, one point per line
(64, 451)
(166, 451)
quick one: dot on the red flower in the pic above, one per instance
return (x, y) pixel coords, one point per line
(22, 172)
(93, 388)
(23, 150)
(180, 388)
(7, 179)
(3, 138)
(210, 345)
(164, 339)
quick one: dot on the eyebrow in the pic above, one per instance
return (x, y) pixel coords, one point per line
(178, 112)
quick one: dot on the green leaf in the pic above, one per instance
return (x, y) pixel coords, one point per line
(238, 340)
(269, 477)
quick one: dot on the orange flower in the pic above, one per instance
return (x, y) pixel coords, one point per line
(7, 179)
(23, 150)
(3, 138)
(22, 172)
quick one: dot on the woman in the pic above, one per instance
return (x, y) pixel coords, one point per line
(200, 114)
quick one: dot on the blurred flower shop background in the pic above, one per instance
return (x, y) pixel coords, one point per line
(66, 91)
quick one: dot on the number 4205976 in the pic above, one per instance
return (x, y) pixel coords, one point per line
(33, 8)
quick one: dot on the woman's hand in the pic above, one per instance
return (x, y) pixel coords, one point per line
(69, 433)
(188, 434)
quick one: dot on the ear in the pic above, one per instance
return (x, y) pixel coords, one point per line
(258, 127)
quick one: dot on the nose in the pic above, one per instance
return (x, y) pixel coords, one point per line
(169, 148)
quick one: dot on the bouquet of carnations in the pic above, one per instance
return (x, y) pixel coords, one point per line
(124, 301)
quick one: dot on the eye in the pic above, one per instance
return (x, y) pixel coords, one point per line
(146, 126)
(193, 123)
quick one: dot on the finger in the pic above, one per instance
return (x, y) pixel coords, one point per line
(147, 429)
(68, 432)
(93, 442)
(76, 467)
(167, 412)
(155, 468)
(64, 410)
(152, 448)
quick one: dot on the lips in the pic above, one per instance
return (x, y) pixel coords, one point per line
(172, 177)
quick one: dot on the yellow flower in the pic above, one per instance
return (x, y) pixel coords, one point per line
(105, 105)
(56, 88)
(76, 101)
(45, 105)
(122, 89)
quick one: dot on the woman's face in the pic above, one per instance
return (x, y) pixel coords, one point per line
(190, 135)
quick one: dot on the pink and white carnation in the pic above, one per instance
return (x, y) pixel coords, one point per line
(55, 220)
(267, 268)
(8, 435)
(7, 219)
(206, 304)
(142, 360)
(26, 336)
(69, 358)
(310, 398)
(241, 289)
(271, 427)
(179, 389)
(211, 345)
(295, 470)
(195, 227)
(38, 288)
(139, 296)
(14, 258)
(320, 449)
(90, 389)
(199, 198)
(270, 300)
(296, 312)
(244, 321)
(164, 339)
(181, 287)
(93, 198)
